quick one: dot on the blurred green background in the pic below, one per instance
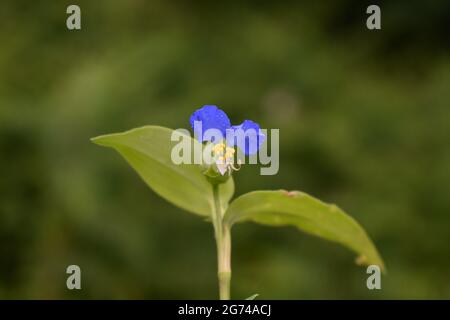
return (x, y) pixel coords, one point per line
(363, 117)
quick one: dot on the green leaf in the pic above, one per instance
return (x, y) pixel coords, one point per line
(252, 297)
(279, 208)
(148, 150)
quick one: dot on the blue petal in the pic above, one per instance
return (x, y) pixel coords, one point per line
(211, 117)
(253, 138)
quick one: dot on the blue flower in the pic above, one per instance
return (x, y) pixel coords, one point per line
(211, 117)
(253, 137)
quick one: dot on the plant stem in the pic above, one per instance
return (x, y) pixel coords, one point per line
(223, 241)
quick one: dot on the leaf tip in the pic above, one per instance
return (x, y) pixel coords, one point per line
(362, 260)
(100, 140)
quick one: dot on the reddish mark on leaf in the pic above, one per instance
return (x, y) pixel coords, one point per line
(290, 193)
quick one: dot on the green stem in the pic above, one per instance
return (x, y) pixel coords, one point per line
(223, 241)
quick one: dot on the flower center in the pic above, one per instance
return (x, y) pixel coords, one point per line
(223, 153)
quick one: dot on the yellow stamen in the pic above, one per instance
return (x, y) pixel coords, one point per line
(230, 150)
(219, 148)
(229, 154)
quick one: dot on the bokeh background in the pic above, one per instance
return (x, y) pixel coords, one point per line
(364, 119)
